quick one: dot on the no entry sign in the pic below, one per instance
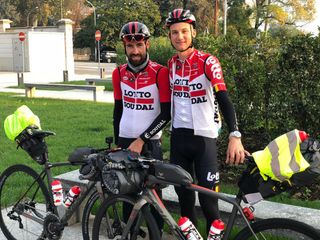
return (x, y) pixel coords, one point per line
(22, 36)
(98, 35)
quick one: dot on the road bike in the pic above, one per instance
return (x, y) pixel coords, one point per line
(111, 223)
(26, 200)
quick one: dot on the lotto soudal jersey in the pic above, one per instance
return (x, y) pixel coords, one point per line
(141, 95)
(193, 83)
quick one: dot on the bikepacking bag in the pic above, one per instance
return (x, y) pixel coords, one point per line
(121, 172)
(285, 162)
(21, 127)
(251, 181)
(172, 173)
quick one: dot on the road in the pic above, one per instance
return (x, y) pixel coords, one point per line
(91, 68)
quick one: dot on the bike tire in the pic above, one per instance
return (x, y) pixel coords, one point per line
(279, 228)
(90, 209)
(16, 189)
(109, 222)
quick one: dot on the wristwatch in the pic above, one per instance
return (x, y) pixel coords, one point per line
(235, 134)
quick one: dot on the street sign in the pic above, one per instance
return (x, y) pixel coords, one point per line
(98, 35)
(22, 36)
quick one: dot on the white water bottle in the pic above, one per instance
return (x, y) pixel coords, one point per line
(188, 229)
(216, 230)
(57, 192)
(71, 196)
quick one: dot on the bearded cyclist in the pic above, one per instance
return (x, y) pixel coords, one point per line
(142, 97)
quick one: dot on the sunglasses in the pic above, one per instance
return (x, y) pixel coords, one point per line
(135, 37)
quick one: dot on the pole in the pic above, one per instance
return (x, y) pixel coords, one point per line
(99, 59)
(95, 26)
(225, 17)
(216, 12)
(20, 76)
(61, 11)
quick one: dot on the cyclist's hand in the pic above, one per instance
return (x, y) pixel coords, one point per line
(235, 151)
(136, 145)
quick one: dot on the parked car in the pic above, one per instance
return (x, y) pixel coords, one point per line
(108, 56)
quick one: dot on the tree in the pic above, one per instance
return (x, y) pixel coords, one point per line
(283, 12)
(238, 17)
(112, 15)
(7, 11)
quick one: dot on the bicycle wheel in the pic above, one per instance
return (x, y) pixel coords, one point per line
(24, 200)
(279, 228)
(110, 221)
(90, 210)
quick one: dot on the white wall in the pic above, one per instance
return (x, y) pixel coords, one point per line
(47, 52)
(6, 57)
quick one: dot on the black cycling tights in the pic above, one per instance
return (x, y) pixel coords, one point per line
(197, 155)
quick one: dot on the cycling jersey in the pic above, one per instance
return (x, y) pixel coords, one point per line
(193, 83)
(141, 95)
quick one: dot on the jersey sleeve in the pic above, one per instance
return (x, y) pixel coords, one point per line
(164, 85)
(214, 73)
(116, 84)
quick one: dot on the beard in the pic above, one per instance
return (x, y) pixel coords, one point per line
(136, 61)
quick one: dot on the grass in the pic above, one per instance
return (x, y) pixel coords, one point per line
(76, 123)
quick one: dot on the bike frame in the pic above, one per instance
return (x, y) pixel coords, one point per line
(150, 196)
(46, 173)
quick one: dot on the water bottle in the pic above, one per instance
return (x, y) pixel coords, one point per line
(303, 135)
(57, 192)
(71, 196)
(216, 230)
(188, 229)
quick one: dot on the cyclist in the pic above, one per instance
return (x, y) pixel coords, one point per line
(141, 94)
(198, 90)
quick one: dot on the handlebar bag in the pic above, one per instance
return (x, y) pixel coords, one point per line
(122, 174)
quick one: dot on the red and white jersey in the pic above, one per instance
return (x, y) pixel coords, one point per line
(193, 83)
(141, 94)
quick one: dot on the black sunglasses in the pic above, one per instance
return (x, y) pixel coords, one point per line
(135, 37)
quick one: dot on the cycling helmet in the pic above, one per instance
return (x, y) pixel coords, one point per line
(134, 31)
(180, 15)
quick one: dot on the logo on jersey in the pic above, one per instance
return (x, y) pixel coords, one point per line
(197, 93)
(213, 177)
(147, 135)
(215, 67)
(138, 100)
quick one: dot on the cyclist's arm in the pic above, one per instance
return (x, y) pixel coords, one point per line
(165, 105)
(118, 105)
(214, 73)
(227, 110)
(213, 70)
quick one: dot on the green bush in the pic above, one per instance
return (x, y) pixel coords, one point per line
(273, 82)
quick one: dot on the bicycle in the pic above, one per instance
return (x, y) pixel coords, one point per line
(109, 224)
(26, 201)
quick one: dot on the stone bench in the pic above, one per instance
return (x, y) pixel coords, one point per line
(93, 81)
(263, 210)
(30, 88)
